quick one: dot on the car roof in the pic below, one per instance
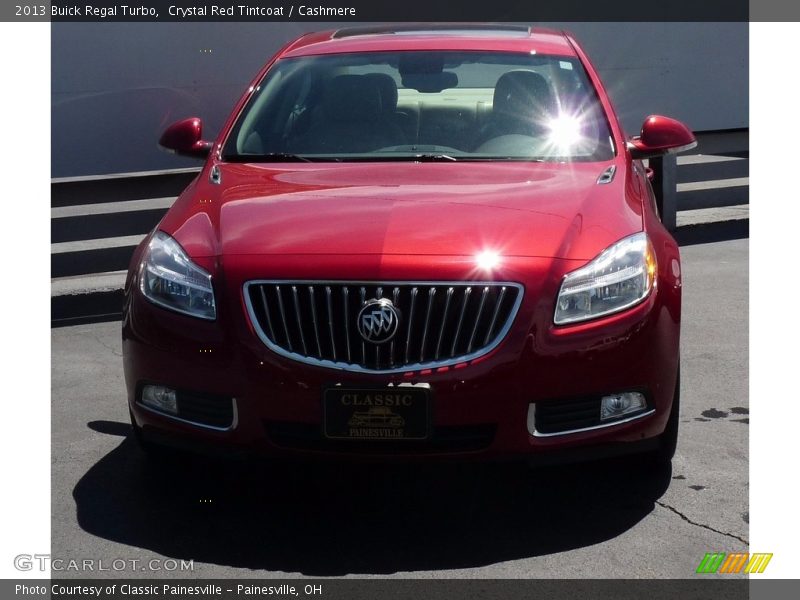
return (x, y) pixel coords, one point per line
(436, 36)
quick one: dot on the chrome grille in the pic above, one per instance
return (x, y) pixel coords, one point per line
(440, 324)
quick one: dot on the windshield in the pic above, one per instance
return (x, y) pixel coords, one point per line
(423, 106)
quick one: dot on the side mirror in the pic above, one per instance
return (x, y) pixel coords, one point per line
(186, 138)
(661, 135)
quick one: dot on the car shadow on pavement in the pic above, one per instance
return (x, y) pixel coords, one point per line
(326, 519)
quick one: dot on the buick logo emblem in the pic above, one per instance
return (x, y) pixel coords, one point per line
(378, 320)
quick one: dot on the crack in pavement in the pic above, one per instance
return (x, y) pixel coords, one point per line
(696, 524)
(106, 346)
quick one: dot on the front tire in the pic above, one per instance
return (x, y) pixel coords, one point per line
(668, 441)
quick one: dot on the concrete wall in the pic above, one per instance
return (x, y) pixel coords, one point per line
(115, 86)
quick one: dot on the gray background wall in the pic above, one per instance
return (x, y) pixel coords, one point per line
(115, 86)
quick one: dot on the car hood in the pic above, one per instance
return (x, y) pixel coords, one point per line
(408, 208)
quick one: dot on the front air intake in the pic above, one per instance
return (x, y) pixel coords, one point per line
(382, 327)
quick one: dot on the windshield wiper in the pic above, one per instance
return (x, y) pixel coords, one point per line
(288, 157)
(414, 158)
(269, 157)
(435, 157)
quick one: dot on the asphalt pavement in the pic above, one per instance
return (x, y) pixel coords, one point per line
(608, 519)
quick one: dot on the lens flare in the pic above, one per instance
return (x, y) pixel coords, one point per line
(487, 260)
(564, 131)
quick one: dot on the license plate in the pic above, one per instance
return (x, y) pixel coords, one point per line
(393, 413)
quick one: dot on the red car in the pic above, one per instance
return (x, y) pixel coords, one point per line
(444, 227)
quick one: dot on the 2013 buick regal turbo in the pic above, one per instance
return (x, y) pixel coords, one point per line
(412, 243)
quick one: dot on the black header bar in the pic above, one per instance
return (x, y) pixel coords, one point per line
(373, 10)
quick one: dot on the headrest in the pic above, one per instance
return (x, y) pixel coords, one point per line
(351, 98)
(387, 88)
(523, 95)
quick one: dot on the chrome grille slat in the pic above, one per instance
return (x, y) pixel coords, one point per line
(467, 293)
(378, 294)
(395, 301)
(283, 318)
(410, 321)
(266, 312)
(440, 323)
(330, 320)
(363, 294)
(444, 322)
(314, 318)
(431, 296)
(299, 320)
(497, 306)
(477, 319)
(346, 294)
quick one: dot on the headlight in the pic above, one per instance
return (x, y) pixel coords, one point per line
(170, 279)
(620, 277)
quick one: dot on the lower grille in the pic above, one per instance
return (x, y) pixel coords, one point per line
(195, 408)
(562, 416)
(426, 325)
(578, 414)
(303, 436)
(204, 409)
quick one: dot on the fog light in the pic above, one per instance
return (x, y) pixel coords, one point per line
(161, 398)
(618, 405)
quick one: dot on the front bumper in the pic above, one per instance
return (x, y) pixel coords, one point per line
(479, 410)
